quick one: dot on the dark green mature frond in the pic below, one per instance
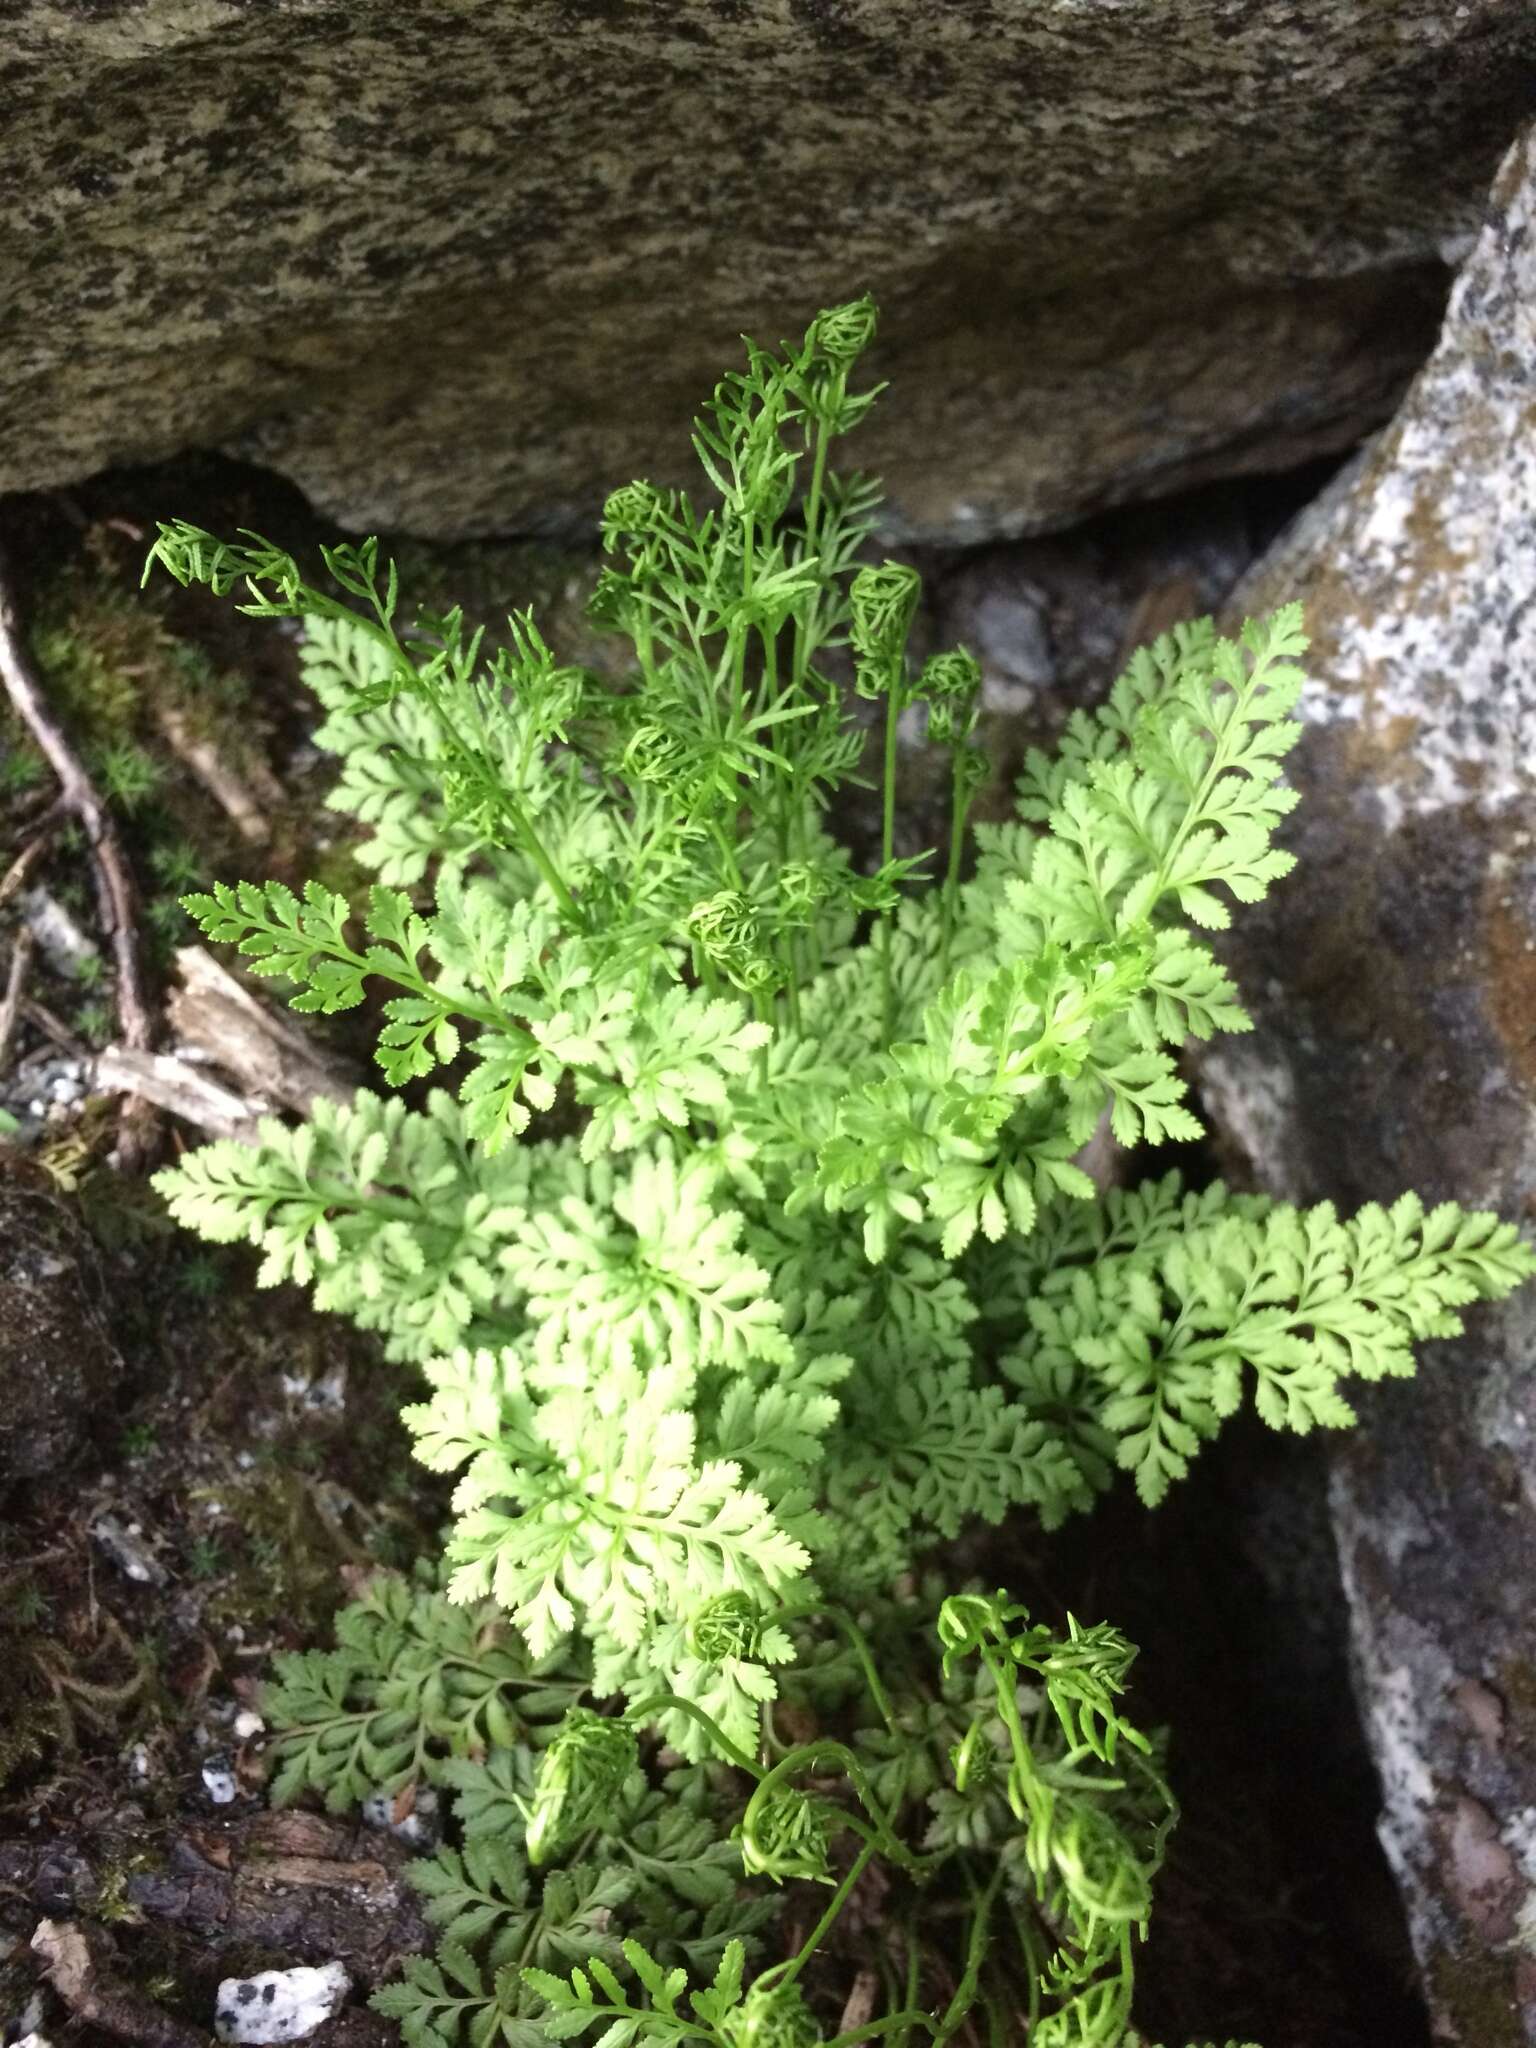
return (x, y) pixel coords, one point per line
(413, 1684)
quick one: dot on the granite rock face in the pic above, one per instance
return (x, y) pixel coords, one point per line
(1394, 986)
(57, 1360)
(456, 266)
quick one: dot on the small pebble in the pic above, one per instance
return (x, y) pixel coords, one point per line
(279, 2005)
(24, 2030)
(326, 1394)
(127, 1552)
(420, 1828)
(247, 1724)
(61, 941)
(219, 1781)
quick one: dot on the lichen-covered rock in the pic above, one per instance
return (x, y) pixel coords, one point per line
(57, 1360)
(280, 2005)
(1395, 986)
(456, 266)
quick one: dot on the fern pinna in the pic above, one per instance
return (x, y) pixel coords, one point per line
(744, 1258)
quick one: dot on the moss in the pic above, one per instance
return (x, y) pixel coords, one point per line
(286, 1550)
(111, 659)
(62, 1682)
(1475, 1990)
(27, 1725)
(1516, 1683)
(110, 1903)
(1510, 952)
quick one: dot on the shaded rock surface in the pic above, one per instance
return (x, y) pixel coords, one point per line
(57, 1360)
(1394, 987)
(456, 267)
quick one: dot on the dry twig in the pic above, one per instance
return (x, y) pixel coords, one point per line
(261, 1047)
(15, 876)
(860, 2007)
(115, 892)
(175, 1085)
(218, 1022)
(15, 988)
(42, 1018)
(218, 777)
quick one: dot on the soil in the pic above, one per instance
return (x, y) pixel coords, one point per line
(246, 1465)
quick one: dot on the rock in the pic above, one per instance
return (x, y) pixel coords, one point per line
(1119, 247)
(1393, 981)
(1003, 615)
(41, 1090)
(1051, 619)
(124, 1543)
(279, 2005)
(57, 1360)
(67, 949)
(415, 1819)
(25, 2026)
(219, 1781)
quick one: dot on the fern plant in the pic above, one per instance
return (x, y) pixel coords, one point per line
(745, 1254)
(413, 1685)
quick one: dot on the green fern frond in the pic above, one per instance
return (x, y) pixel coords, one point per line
(753, 1259)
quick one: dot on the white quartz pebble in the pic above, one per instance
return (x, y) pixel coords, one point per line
(279, 2005)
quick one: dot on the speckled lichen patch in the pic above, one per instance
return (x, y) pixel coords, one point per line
(1419, 598)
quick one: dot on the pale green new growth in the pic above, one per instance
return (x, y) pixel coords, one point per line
(744, 1241)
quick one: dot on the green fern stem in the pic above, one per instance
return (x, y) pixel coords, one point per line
(872, 2028)
(382, 630)
(783, 799)
(805, 621)
(806, 615)
(704, 970)
(962, 792)
(538, 853)
(740, 635)
(781, 1974)
(888, 844)
(521, 824)
(914, 1971)
(858, 1642)
(669, 1702)
(975, 1952)
(799, 845)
